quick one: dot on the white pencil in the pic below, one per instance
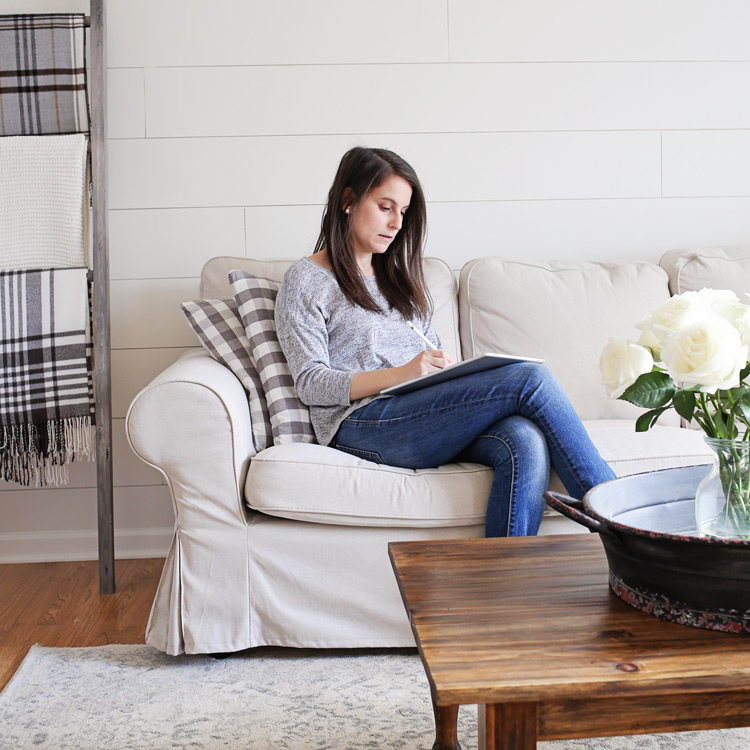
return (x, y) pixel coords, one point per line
(421, 335)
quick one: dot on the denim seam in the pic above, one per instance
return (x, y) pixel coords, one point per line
(512, 505)
(552, 438)
(438, 410)
(553, 441)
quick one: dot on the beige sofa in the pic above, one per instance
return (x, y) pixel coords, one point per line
(289, 546)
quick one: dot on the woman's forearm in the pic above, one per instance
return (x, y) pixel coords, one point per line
(369, 383)
(372, 382)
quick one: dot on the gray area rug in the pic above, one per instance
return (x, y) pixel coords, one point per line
(137, 698)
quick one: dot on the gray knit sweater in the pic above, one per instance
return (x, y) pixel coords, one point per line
(326, 340)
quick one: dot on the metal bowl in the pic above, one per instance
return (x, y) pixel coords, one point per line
(657, 561)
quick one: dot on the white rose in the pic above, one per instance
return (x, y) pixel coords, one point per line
(717, 297)
(742, 324)
(674, 315)
(708, 353)
(649, 339)
(728, 305)
(621, 362)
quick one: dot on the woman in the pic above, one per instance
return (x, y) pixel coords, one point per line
(341, 318)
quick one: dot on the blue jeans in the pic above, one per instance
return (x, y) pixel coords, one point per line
(515, 419)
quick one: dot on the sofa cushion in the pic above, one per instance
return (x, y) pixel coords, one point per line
(256, 298)
(564, 312)
(323, 485)
(219, 328)
(713, 267)
(438, 275)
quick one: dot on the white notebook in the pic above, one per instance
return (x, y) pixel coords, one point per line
(479, 363)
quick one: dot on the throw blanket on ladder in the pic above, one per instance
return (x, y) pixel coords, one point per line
(43, 74)
(46, 394)
(44, 202)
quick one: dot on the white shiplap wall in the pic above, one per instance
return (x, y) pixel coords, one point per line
(586, 129)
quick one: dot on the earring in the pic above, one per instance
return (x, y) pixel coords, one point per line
(347, 210)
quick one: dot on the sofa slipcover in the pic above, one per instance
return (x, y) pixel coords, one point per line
(690, 270)
(288, 546)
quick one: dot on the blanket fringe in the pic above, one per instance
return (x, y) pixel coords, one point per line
(30, 454)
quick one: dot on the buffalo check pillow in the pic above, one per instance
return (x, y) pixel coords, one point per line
(256, 297)
(219, 328)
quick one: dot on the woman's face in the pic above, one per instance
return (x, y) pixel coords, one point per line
(379, 216)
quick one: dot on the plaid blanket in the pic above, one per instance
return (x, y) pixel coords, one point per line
(46, 394)
(43, 74)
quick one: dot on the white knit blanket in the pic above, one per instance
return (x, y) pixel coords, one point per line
(44, 205)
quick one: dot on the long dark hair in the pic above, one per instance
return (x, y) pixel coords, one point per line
(398, 271)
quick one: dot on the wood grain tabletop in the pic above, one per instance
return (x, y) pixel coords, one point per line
(533, 619)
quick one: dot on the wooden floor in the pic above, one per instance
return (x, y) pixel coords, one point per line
(58, 604)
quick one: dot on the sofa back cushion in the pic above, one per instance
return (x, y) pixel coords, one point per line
(563, 311)
(713, 267)
(438, 274)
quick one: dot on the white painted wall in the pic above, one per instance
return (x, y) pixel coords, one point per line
(586, 129)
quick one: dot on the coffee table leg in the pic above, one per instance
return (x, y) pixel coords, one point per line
(446, 727)
(507, 726)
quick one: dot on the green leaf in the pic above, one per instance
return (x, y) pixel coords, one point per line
(684, 404)
(744, 372)
(704, 425)
(736, 394)
(743, 407)
(651, 390)
(648, 420)
(720, 423)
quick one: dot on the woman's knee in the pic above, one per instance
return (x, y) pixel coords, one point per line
(526, 473)
(538, 374)
(538, 388)
(523, 439)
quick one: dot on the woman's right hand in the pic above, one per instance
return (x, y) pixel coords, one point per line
(426, 361)
(372, 382)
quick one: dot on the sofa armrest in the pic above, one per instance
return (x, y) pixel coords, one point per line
(192, 423)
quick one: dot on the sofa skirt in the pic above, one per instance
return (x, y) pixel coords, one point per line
(303, 585)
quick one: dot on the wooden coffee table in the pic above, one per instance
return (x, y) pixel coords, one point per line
(528, 629)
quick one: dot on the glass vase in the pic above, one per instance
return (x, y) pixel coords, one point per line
(722, 500)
